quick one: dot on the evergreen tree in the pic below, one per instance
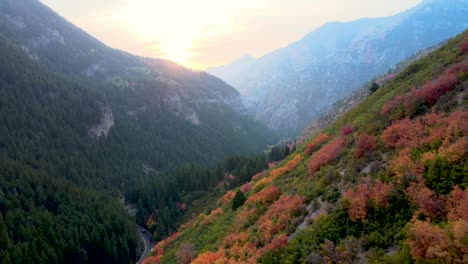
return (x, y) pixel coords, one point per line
(374, 87)
(238, 200)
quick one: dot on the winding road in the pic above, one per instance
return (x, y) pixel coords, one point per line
(145, 236)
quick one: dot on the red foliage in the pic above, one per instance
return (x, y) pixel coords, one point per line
(464, 46)
(321, 138)
(185, 254)
(425, 199)
(346, 130)
(226, 198)
(290, 165)
(426, 241)
(212, 216)
(245, 188)
(280, 241)
(380, 193)
(403, 133)
(365, 144)
(159, 248)
(258, 175)
(358, 201)
(277, 216)
(264, 196)
(457, 205)
(207, 258)
(392, 104)
(430, 92)
(325, 155)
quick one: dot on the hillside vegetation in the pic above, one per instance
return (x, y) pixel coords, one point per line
(384, 183)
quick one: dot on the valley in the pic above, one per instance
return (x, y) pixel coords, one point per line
(348, 145)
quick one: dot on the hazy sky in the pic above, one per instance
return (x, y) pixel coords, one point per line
(203, 33)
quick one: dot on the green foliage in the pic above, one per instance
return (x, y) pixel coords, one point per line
(238, 200)
(441, 176)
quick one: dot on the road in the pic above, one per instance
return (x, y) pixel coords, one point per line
(145, 236)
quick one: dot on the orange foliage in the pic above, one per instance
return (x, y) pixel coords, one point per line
(258, 175)
(227, 198)
(425, 199)
(358, 201)
(380, 193)
(267, 233)
(207, 258)
(431, 243)
(320, 139)
(325, 155)
(403, 165)
(427, 242)
(277, 216)
(366, 191)
(365, 144)
(455, 151)
(264, 196)
(290, 165)
(159, 248)
(403, 133)
(213, 216)
(457, 204)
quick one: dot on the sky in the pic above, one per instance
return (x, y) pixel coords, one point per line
(205, 33)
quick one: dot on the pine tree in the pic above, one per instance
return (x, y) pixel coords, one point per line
(238, 200)
(374, 87)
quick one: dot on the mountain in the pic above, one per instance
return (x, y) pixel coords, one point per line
(384, 183)
(231, 71)
(156, 112)
(292, 86)
(82, 124)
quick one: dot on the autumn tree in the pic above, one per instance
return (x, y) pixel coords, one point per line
(365, 144)
(185, 254)
(427, 242)
(346, 130)
(325, 155)
(320, 139)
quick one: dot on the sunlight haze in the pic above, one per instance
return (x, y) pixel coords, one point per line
(205, 33)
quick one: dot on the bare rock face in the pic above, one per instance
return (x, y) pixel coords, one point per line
(105, 124)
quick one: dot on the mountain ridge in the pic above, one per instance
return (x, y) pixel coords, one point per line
(282, 88)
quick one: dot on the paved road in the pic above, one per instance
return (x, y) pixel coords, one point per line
(145, 236)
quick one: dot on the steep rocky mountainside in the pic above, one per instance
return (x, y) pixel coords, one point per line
(289, 88)
(384, 183)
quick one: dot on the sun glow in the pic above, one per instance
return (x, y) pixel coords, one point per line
(174, 29)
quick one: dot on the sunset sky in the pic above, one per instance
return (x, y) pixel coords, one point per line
(204, 33)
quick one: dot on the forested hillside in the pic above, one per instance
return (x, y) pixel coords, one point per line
(83, 125)
(384, 183)
(47, 215)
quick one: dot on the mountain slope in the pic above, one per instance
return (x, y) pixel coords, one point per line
(47, 215)
(290, 87)
(156, 112)
(384, 183)
(82, 124)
